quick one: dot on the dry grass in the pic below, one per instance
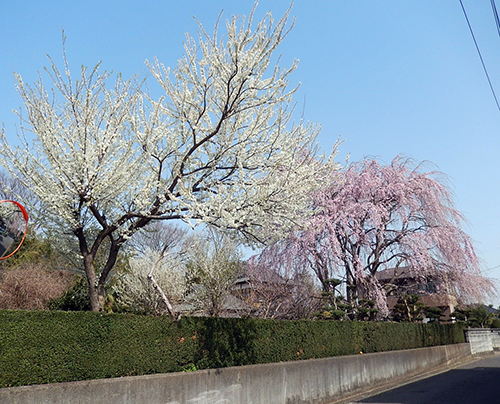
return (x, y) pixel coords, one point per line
(31, 286)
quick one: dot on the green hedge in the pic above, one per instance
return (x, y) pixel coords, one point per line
(47, 347)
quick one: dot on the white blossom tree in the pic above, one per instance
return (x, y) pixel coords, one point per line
(213, 264)
(156, 278)
(136, 292)
(219, 146)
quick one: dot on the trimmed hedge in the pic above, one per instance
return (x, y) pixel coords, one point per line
(47, 346)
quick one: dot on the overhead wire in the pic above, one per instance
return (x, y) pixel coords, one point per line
(479, 52)
(495, 14)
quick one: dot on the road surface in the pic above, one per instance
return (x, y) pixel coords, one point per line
(477, 382)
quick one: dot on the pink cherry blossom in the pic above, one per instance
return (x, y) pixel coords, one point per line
(376, 217)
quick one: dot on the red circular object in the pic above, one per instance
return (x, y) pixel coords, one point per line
(23, 228)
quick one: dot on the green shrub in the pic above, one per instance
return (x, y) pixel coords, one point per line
(77, 298)
(495, 323)
(54, 346)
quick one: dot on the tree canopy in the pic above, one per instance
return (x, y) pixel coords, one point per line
(376, 217)
(218, 146)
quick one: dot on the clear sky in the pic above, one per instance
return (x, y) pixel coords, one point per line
(388, 77)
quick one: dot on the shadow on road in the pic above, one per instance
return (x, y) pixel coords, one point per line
(479, 385)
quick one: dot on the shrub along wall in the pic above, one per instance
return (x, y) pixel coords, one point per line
(47, 347)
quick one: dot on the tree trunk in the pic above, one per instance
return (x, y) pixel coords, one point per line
(157, 287)
(162, 294)
(351, 289)
(97, 297)
(96, 291)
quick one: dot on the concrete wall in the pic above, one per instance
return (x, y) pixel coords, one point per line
(306, 382)
(495, 338)
(483, 339)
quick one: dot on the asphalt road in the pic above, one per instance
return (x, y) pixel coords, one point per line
(477, 382)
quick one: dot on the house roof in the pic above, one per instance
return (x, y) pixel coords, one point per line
(394, 273)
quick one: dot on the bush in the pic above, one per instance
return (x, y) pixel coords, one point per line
(53, 346)
(31, 287)
(495, 323)
(77, 298)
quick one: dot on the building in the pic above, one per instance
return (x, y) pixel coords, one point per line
(433, 292)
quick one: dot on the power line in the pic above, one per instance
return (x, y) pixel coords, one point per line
(495, 14)
(479, 52)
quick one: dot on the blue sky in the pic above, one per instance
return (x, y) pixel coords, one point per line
(388, 77)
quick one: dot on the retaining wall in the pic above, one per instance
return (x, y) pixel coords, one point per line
(312, 381)
(483, 339)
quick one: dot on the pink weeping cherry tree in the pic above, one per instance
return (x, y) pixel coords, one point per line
(376, 217)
